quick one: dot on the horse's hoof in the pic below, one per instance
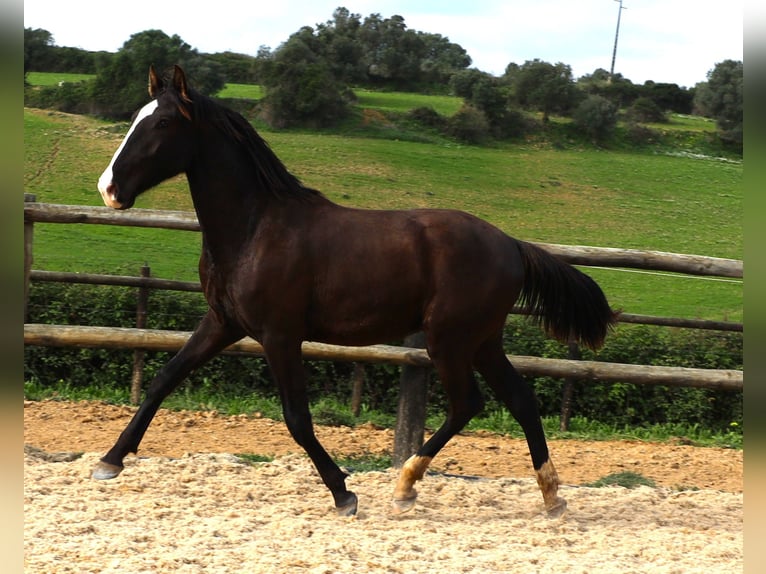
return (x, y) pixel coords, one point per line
(557, 508)
(348, 506)
(105, 471)
(402, 505)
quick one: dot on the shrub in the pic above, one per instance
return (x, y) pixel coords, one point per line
(617, 404)
(69, 97)
(646, 110)
(469, 125)
(427, 116)
(596, 117)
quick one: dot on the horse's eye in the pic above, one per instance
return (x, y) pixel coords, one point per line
(163, 124)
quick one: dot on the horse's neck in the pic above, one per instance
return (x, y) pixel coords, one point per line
(227, 210)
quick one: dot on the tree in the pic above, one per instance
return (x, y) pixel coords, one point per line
(235, 68)
(392, 52)
(340, 46)
(669, 96)
(441, 59)
(545, 87)
(300, 86)
(614, 87)
(38, 49)
(720, 98)
(120, 86)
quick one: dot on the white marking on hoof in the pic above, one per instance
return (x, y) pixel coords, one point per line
(548, 481)
(402, 505)
(558, 508)
(105, 471)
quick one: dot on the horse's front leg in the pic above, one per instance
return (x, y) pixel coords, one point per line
(285, 362)
(209, 338)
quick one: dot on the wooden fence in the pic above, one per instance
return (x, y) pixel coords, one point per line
(142, 340)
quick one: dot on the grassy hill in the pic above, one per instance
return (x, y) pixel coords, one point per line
(664, 198)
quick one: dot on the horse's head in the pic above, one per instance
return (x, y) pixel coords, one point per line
(158, 144)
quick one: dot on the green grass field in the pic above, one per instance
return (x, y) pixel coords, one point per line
(53, 78)
(572, 196)
(368, 99)
(241, 91)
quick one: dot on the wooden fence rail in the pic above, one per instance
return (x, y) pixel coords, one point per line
(148, 339)
(578, 255)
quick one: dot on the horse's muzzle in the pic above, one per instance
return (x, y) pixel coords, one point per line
(110, 194)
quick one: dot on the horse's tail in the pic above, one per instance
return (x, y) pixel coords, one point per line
(565, 301)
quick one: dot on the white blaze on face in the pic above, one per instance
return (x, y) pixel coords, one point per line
(105, 186)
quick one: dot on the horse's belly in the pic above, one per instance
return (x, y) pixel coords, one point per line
(364, 322)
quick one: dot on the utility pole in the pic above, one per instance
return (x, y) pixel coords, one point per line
(616, 35)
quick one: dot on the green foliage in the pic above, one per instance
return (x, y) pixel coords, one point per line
(625, 404)
(626, 479)
(645, 110)
(469, 125)
(378, 53)
(254, 459)
(120, 86)
(721, 98)
(596, 117)
(546, 87)
(235, 384)
(365, 463)
(69, 97)
(42, 55)
(300, 87)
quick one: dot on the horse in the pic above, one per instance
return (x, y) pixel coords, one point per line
(283, 264)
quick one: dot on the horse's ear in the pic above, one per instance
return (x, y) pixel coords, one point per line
(155, 83)
(179, 82)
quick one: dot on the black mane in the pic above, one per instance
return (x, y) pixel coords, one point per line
(273, 177)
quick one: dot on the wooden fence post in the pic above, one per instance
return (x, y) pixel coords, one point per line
(568, 392)
(357, 384)
(29, 231)
(139, 354)
(411, 413)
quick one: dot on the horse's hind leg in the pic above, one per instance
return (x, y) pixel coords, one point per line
(465, 401)
(518, 396)
(209, 339)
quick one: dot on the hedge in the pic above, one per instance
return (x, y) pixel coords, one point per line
(610, 403)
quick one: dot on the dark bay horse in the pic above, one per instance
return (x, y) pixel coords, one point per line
(283, 264)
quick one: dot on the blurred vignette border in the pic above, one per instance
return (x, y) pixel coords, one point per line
(755, 284)
(11, 282)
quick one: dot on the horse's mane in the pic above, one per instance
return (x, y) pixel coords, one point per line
(272, 175)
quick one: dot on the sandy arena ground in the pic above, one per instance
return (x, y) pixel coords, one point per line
(187, 504)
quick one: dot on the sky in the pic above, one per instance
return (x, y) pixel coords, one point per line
(674, 41)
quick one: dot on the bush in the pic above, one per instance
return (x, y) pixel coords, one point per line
(596, 117)
(645, 110)
(428, 117)
(616, 404)
(469, 125)
(69, 97)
